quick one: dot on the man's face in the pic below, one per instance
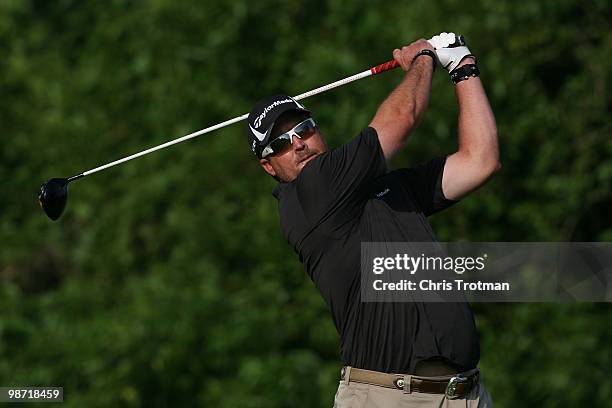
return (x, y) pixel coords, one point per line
(288, 163)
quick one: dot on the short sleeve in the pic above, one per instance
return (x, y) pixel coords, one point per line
(425, 182)
(335, 180)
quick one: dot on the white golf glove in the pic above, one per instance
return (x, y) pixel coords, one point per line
(450, 49)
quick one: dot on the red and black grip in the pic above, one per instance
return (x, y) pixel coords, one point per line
(384, 67)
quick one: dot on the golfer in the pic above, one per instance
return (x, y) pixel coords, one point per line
(330, 201)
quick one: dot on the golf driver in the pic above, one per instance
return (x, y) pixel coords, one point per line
(54, 192)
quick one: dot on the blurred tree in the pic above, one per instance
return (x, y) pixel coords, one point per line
(167, 281)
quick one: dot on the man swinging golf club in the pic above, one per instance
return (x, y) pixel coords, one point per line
(394, 354)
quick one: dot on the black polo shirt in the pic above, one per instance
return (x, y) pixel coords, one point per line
(344, 197)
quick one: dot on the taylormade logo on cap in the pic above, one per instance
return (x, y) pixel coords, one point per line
(259, 135)
(262, 117)
(267, 109)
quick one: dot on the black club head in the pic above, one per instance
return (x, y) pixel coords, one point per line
(53, 196)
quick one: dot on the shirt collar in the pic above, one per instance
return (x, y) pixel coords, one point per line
(279, 189)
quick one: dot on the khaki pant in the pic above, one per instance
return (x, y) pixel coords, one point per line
(357, 395)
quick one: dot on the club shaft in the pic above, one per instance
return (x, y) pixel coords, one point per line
(76, 177)
(372, 71)
(167, 144)
(333, 85)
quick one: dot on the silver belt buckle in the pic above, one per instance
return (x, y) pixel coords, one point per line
(451, 388)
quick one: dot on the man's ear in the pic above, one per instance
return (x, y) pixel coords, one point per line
(265, 163)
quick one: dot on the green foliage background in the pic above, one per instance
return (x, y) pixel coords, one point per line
(167, 281)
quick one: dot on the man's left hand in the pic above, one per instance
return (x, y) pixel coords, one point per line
(450, 49)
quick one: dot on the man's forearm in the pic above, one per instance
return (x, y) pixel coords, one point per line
(476, 124)
(408, 101)
(401, 112)
(477, 157)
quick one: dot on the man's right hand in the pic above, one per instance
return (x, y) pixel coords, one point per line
(450, 49)
(406, 54)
